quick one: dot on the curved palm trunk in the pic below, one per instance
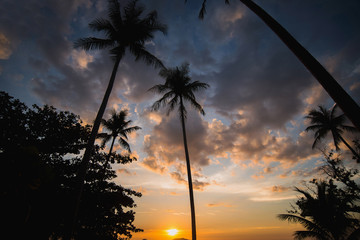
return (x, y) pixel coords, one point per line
(351, 149)
(191, 192)
(336, 92)
(89, 148)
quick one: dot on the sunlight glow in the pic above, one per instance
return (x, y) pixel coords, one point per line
(172, 232)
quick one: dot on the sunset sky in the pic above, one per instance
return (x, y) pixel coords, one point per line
(247, 152)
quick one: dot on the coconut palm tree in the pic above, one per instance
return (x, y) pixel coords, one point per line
(324, 121)
(125, 29)
(118, 127)
(325, 213)
(177, 90)
(331, 86)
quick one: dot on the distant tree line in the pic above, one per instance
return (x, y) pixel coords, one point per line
(39, 153)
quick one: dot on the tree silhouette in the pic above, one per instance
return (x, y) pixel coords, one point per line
(324, 121)
(118, 127)
(331, 86)
(326, 213)
(39, 149)
(177, 89)
(126, 30)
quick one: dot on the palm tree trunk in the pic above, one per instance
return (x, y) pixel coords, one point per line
(89, 148)
(191, 192)
(350, 148)
(108, 158)
(336, 92)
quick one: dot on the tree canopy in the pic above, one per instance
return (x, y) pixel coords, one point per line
(39, 149)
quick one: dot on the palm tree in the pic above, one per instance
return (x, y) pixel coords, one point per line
(331, 86)
(123, 30)
(325, 121)
(325, 213)
(118, 127)
(177, 89)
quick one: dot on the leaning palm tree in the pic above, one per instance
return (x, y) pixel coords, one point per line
(124, 30)
(177, 89)
(326, 214)
(119, 128)
(331, 86)
(324, 121)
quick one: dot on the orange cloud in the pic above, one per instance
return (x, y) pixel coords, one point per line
(125, 171)
(280, 189)
(218, 205)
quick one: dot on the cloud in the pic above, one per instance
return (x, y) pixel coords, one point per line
(218, 205)
(280, 189)
(5, 47)
(125, 171)
(271, 199)
(197, 185)
(81, 58)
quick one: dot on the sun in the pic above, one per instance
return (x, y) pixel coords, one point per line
(172, 232)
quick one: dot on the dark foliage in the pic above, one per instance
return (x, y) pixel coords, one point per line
(38, 148)
(329, 209)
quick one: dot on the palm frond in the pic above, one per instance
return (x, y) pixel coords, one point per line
(92, 43)
(129, 130)
(140, 52)
(172, 103)
(101, 24)
(162, 101)
(104, 138)
(299, 235)
(192, 100)
(124, 144)
(114, 12)
(159, 88)
(153, 24)
(305, 193)
(303, 221)
(133, 11)
(313, 128)
(349, 128)
(202, 10)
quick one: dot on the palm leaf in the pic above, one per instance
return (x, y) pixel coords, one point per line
(101, 24)
(140, 52)
(92, 43)
(114, 12)
(303, 221)
(299, 235)
(203, 8)
(124, 144)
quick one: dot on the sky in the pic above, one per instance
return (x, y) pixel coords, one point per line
(250, 149)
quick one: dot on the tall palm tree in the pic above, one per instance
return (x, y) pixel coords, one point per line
(118, 127)
(325, 213)
(324, 121)
(178, 89)
(331, 86)
(123, 30)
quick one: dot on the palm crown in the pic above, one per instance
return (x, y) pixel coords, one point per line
(118, 126)
(325, 213)
(178, 88)
(325, 121)
(125, 30)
